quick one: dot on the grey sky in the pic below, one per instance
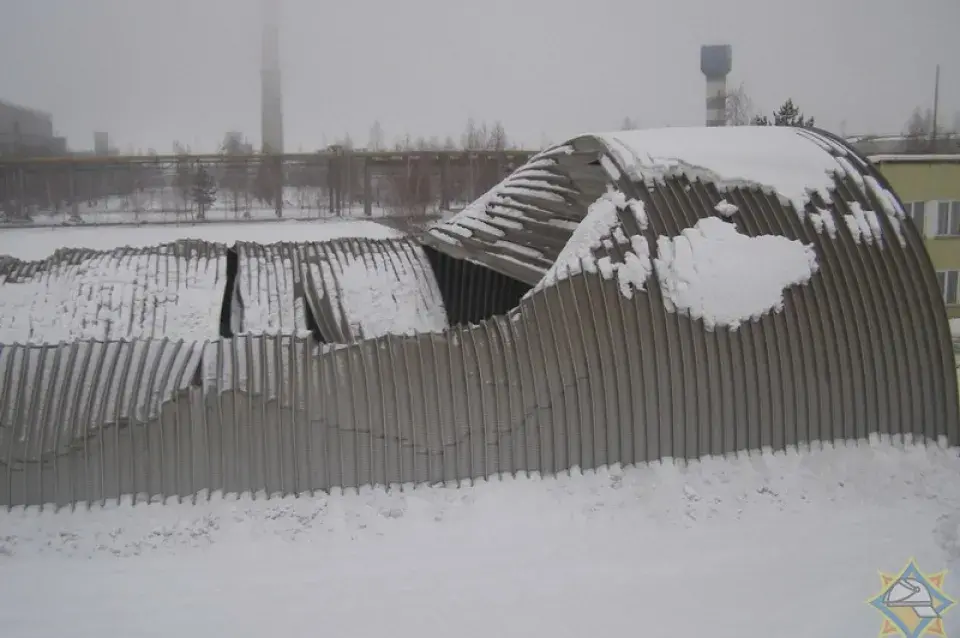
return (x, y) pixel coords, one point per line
(152, 71)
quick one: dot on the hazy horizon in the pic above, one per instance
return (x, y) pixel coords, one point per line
(152, 72)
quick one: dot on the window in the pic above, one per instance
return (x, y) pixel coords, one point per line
(947, 280)
(915, 211)
(948, 219)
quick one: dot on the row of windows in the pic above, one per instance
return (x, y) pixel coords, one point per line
(947, 217)
(947, 279)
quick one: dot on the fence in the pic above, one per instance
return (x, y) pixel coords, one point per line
(158, 189)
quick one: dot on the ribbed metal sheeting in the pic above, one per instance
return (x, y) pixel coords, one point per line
(292, 288)
(125, 293)
(577, 375)
(863, 348)
(76, 419)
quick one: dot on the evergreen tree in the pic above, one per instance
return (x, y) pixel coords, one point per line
(234, 178)
(787, 115)
(204, 191)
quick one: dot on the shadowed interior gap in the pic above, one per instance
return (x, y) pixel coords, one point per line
(226, 306)
(472, 292)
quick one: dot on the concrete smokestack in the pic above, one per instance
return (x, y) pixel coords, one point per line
(271, 106)
(716, 61)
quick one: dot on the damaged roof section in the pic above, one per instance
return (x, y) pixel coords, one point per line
(345, 289)
(520, 226)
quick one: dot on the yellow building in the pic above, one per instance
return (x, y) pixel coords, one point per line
(929, 187)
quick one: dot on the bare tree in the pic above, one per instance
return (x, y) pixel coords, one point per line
(183, 179)
(497, 138)
(475, 137)
(920, 123)
(377, 141)
(918, 130)
(235, 178)
(628, 124)
(404, 143)
(739, 107)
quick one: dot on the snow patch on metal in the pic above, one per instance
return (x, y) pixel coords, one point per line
(600, 228)
(715, 273)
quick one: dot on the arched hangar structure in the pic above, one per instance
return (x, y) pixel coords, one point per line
(620, 298)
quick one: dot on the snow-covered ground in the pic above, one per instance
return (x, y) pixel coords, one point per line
(166, 206)
(39, 243)
(785, 545)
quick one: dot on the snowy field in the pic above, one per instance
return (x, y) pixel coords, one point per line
(785, 545)
(165, 206)
(40, 243)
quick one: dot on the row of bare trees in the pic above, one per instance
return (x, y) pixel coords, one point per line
(476, 136)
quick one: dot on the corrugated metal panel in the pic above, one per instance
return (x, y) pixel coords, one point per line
(59, 402)
(364, 288)
(353, 288)
(169, 290)
(578, 375)
(271, 295)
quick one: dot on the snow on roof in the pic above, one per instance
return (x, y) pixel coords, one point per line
(354, 288)
(598, 230)
(173, 290)
(40, 243)
(375, 287)
(783, 159)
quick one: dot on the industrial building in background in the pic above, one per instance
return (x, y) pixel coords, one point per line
(271, 97)
(28, 132)
(929, 185)
(716, 61)
(101, 144)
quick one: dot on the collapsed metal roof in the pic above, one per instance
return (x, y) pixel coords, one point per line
(605, 359)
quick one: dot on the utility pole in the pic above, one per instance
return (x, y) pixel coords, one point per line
(936, 107)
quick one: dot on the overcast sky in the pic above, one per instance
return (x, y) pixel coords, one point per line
(153, 71)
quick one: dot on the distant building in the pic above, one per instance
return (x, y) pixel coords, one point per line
(234, 143)
(28, 132)
(101, 143)
(929, 187)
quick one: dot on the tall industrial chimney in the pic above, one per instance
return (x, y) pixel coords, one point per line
(271, 107)
(715, 63)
